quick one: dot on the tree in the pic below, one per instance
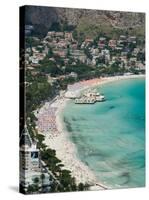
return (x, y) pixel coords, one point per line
(50, 67)
(129, 55)
(36, 180)
(68, 52)
(141, 56)
(50, 52)
(42, 180)
(38, 90)
(67, 27)
(88, 54)
(36, 184)
(75, 34)
(40, 138)
(55, 26)
(80, 187)
(66, 180)
(31, 42)
(59, 60)
(31, 189)
(49, 156)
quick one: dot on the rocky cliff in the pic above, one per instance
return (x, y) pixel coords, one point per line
(82, 19)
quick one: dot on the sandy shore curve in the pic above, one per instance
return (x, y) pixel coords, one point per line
(65, 149)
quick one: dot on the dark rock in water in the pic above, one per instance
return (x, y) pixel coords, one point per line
(86, 163)
(82, 119)
(67, 124)
(127, 176)
(65, 119)
(74, 119)
(111, 107)
(77, 130)
(69, 128)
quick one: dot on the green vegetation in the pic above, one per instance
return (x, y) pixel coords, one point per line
(81, 69)
(49, 67)
(37, 90)
(141, 56)
(50, 52)
(32, 188)
(31, 42)
(63, 182)
(87, 53)
(94, 28)
(98, 28)
(67, 27)
(63, 83)
(56, 26)
(67, 182)
(91, 28)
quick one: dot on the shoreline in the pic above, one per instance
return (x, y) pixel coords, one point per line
(65, 149)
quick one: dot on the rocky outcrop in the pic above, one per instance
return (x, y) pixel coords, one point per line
(43, 17)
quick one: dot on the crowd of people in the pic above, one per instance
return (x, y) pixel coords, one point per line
(46, 122)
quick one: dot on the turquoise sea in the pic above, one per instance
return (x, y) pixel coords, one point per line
(110, 136)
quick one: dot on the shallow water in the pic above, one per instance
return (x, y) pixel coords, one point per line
(110, 136)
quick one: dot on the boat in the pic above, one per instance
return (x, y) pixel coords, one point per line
(100, 98)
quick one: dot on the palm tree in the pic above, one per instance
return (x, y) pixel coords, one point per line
(42, 180)
(31, 189)
(36, 183)
(80, 187)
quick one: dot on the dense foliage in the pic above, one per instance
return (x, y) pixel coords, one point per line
(37, 90)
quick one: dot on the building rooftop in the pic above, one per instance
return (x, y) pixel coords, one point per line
(25, 138)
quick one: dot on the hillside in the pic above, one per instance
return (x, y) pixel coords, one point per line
(88, 22)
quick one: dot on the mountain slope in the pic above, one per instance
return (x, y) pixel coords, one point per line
(84, 20)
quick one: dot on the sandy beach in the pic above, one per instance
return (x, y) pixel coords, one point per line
(58, 139)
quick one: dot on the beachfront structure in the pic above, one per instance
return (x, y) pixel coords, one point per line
(72, 94)
(90, 97)
(31, 164)
(85, 100)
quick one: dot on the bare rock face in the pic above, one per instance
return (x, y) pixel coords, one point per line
(126, 19)
(43, 17)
